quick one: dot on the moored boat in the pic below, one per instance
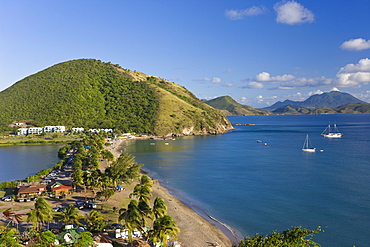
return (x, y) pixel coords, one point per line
(306, 146)
(331, 134)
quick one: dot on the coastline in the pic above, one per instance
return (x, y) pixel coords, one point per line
(197, 228)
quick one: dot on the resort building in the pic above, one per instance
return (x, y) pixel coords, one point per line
(100, 130)
(39, 130)
(35, 130)
(78, 129)
(54, 129)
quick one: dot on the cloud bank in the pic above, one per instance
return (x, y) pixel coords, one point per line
(291, 13)
(351, 75)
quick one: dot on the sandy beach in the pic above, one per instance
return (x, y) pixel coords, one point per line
(196, 231)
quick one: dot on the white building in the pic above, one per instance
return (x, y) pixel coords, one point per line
(98, 130)
(22, 131)
(39, 130)
(54, 129)
(35, 130)
(78, 129)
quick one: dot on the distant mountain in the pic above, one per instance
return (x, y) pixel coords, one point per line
(348, 108)
(92, 94)
(230, 107)
(326, 100)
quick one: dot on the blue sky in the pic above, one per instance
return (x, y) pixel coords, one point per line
(256, 51)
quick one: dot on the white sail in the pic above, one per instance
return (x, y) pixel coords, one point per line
(306, 146)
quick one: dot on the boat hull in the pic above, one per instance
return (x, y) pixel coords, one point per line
(309, 150)
(333, 135)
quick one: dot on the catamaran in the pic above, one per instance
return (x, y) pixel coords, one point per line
(306, 146)
(331, 134)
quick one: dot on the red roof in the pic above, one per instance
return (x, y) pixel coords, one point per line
(62, 187)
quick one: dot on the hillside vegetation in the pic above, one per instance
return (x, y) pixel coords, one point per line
(230, 107)
(93, 94)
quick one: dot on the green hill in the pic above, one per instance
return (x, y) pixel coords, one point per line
(93, 94)
(230, 107)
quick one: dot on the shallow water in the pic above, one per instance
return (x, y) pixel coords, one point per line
(18, 162)
(258, 188)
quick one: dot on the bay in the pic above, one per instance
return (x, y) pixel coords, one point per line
(258, 188)
(21, 161)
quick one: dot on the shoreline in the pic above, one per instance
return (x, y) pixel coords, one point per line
(198, 228)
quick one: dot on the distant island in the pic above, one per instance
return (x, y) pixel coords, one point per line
(96, 95)
(327, 103)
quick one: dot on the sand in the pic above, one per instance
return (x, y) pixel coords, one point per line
(195, 231)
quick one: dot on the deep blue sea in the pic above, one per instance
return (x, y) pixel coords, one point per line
(258, 188)
(253, 187)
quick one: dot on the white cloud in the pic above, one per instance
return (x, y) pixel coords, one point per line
(285, 88)
(315, 92)
(291, 13)
(308, 82)
(216, 80)
(352, 75)
(356, 44)
(335, 89)
(240, 14)
(254, 84)
(228, 85)
(229, 71)
(205, 79)
(266, 77)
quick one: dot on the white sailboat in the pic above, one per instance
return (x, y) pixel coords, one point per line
(306, 146)
(331, 134)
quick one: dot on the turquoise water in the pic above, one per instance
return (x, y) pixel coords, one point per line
(18, 162)
(257, 188)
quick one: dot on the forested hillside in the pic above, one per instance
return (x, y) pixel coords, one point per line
(92, 94)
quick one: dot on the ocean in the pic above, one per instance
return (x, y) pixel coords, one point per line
(256, 178)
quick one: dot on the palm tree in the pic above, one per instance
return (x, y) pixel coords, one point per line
(71, 215)
(163, 228)
(145, 211)
(142, 192)
(96, 221)
(12, 217)
(132, 218)
(159, 207)
(146, 181)
(41, 213)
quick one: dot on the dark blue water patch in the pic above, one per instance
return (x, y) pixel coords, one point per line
(259, 187)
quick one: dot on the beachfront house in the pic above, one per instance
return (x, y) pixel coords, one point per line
(31, 190)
